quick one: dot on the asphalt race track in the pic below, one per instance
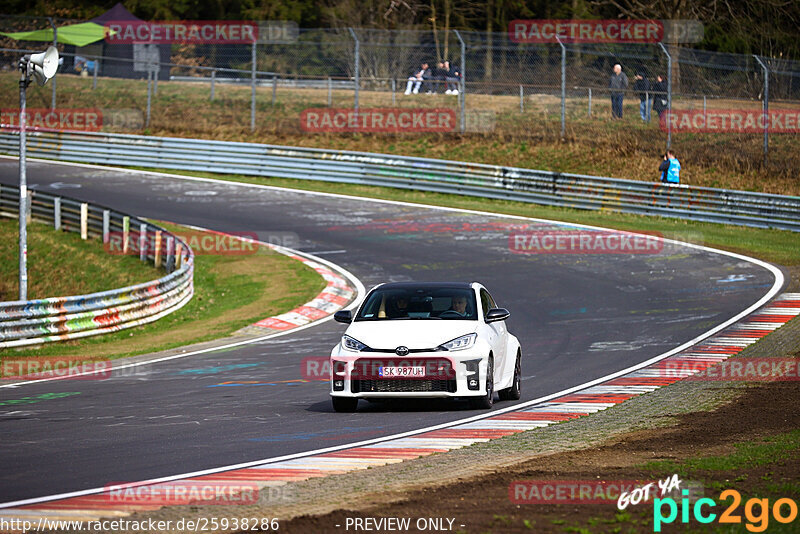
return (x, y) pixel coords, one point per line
(578, 317)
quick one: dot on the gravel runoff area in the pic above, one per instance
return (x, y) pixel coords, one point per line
(690, 418)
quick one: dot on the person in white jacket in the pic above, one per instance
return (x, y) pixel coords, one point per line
(416, 79)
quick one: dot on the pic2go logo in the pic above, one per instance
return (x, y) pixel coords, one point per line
(757, 521)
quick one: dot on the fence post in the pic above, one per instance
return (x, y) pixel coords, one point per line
(394, 88)
(462, 94)
(57, 213)
(84, 221)
(253, 90)
(106, 226)
(590, 101)
(213, 81)
(156, 68)
(143, 242)
(669, 95)
(356, 62)
(274, 89)
(521, 99)
(147, 118)
(330, 92)
(94, 73)
(563, 90)
(765, 107)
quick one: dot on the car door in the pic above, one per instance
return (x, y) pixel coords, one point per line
(498, 336)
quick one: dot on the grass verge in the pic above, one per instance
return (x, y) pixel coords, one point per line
(231, 292)
(596, 144)
(61, 263)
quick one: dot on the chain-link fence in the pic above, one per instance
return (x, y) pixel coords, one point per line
(489, 85)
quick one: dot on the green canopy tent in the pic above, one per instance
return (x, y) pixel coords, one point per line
(81, 34)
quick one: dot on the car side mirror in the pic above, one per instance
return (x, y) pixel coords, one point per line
(343, 316)
(497, 314)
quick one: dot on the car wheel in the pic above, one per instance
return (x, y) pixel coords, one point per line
(486, 401)
(514, 392)
(344, 404)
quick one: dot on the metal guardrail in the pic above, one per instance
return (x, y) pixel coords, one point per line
(473, 179)
(33, 322)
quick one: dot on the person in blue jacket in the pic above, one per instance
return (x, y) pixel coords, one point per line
(670, 169)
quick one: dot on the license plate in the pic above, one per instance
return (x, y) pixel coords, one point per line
(401, 372)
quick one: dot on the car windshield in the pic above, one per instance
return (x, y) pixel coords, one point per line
(445, 303)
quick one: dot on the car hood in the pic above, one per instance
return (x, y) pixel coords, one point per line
(412, 333)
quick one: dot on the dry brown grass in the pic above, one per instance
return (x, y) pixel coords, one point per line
(596, 145)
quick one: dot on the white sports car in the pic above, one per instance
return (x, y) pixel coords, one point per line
(425, 339)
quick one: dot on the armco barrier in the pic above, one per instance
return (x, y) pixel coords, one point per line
(52, 319)
(473, 179)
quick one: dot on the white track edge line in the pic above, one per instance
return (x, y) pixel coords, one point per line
(776, 287)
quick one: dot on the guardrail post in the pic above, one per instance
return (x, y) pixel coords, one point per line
(213, 80)
(28, 202)
(253, 91)
(57, 213)
(106, 226)
(170, 259)
(143, 242)
(178, 252)
(590, 101)
(157, 250)
(84, 221)
(126, 232)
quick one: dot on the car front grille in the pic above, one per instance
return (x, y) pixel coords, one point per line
(402, 386)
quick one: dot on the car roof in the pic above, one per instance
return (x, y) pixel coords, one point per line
(425, 285)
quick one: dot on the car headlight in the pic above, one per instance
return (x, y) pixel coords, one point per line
(351, 343)
(460, 343)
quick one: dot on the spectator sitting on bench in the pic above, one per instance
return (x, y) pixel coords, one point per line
(416, 79)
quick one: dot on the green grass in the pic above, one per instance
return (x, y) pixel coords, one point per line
(230, 292)
(778, 246)
(748, 454)
(61, 264)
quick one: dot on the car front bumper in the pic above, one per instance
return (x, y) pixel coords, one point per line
(447, 374)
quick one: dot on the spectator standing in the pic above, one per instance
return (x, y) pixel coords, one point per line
(659, 91)
(670, 169)
(618, 84)
(642, 88)
(416, 79)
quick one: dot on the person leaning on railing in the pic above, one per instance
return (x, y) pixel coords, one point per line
(670, 169)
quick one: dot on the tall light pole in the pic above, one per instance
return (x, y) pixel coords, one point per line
(42, 67)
